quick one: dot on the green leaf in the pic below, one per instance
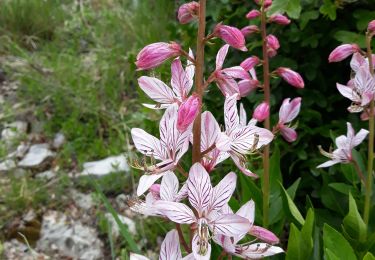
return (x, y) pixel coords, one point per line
(341, 187)
(292, 208)
(350, 37)
(123, 229)
(306, 17)
(335, 245)
(369, 256)
(353, 222)
(291, 7)
(328, 9)
(300, 243)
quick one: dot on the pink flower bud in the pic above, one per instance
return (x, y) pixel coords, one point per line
(371, 26)
(250, 63)
(342, 52)
(155, 54)
(253, 14)
(250, 29)
(246, 86)
(264, 235)
(289, 134)
(267, 3)
(188, 12)
(290, 76)
(155, 191)
(187, 112)
(261, 112)
(231, 35)
(272, 45)
(279, 19)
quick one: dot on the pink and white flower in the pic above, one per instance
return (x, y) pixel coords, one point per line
(249, 250)
(288, 112)
(360, 90)
(272, 45)
(207, 202)
(187, 112)
(345, 145)
(239, 140)
(169, 149)
(181, 82)
(279, 19)
(155, 54)
(249, 29)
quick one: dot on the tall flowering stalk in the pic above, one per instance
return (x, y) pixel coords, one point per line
(270, 47)
(360, 89)
(198, 203)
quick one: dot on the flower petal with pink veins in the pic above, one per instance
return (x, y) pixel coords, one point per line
(223, 191)
(229, 225)
(146, 181)
(289, 134)
(176, 212)
(231, 117)
(156, 89)
(220, 57)
(170, 248)
(348, 92)
(199, 188)
(148, 144)
(169, 187)
(260, 250)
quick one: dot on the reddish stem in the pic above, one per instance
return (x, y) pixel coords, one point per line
(199, 81)
(267, 95)
(182, 239)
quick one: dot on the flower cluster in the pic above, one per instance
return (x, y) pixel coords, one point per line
(197, 202)
(360, 89)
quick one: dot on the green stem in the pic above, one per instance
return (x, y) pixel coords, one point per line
(267, 94)
(199, 82)
(370, 159)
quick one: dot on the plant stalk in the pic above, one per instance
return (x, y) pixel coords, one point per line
(267, 95)
(370, 159)
(199, 81)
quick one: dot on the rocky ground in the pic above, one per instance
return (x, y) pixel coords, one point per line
(67, 224)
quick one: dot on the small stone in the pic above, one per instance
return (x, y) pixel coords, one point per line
(58, 141)
(71, 238)
(7, 165)
(48, 175)
(105, 166)
(16, 250)
(82, 200)
(13, 131)
(36, 155)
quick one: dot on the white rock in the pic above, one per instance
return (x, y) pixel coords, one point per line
(7, 165)
(124, 220)
(105, 166)
(69, 237)
(58, 141)
(82, 200)
(36, 155)
(48, 175)
(14, 249)
(13, 131)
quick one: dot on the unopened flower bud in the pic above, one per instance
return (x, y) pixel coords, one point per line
(267, 3)
(188, 12)
(371, 26)
(253, 14)
(272, 45)
(342, 52)
(261, 112)
(290, 76)
(250, 29)
(187, 113)
(250, 63)
(264, 234)
(231, 35)
(279, 19)
(155, 54)
(247, 86)
(155, 191)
